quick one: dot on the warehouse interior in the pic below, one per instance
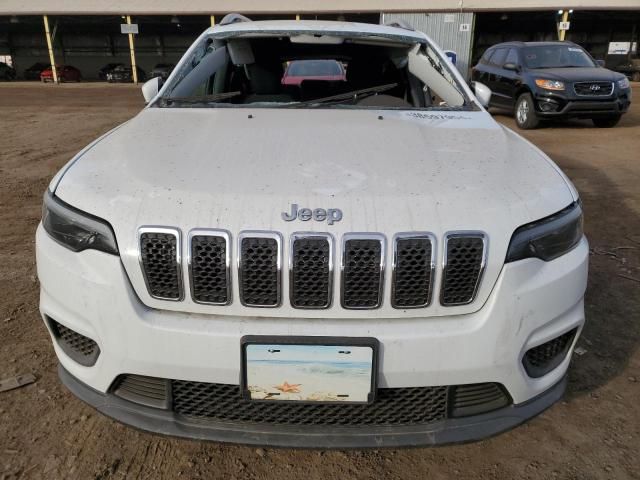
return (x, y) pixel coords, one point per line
(89, 42)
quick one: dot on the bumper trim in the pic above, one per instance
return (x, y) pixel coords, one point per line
(454, 430)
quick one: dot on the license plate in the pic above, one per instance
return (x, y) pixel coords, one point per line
(309, 369)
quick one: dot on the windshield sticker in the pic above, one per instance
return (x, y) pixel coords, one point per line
(437, 116)
(572, 49)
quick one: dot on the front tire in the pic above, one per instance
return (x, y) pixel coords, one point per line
(606, 122)
(525, 112)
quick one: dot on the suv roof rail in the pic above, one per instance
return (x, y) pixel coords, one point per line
(231, 18)
(399, 23)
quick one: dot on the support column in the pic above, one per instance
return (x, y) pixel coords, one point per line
(52, 59)
(565, 18)
(134, 70)
(213, 20)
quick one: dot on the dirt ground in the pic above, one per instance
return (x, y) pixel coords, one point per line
(47, 433)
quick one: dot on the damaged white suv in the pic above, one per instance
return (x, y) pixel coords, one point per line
(351, 254)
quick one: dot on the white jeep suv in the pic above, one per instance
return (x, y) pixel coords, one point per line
(358, 260)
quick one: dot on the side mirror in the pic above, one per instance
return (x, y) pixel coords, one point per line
(511, 66)
(151, 88)
(600, 63)
(483, 93)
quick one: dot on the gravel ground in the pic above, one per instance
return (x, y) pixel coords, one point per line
(47, 433)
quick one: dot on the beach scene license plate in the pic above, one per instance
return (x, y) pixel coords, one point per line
(309, 373)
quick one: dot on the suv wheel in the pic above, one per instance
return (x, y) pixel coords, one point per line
(606, 122)
(525, 112)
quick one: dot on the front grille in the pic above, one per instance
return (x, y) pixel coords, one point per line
(413, 271)
(540, 360)
(362, 271)
(593, 89)
(149, 391)
(159, 254)
(209, 267)
(311, 255)
(393, 406)
(311, 271)
(467, 400)
(259, 269)
(464, 263)
(79, 348)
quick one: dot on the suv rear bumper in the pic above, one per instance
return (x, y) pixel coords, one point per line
(451, 430)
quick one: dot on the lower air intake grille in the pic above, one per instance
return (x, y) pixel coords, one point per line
(362, 273)
(259, 271)
(159, 255)
(311, 273)
(393, 406)
(149, 391)
(540, 360)
(79, 348)
(477, 398)
(412, 273)
(209, 269)
(463, 268)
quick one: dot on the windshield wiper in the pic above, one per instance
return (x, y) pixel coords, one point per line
(355, 95)
(201, 99)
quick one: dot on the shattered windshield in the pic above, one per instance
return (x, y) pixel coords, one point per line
(314, 70)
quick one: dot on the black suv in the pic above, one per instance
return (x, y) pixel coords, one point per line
(543, 80)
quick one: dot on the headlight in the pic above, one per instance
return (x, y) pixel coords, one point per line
(75, 229)
(623, 83)
(547, 238)
(549, 84)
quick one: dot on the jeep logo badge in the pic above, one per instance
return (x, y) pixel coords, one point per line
(331, 215)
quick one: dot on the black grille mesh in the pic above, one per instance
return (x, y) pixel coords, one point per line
(463, 269)
(310, 283)
(412, 285)
(209, 269)
(362, 275)
(81, 349)
(150, 391)
(393, 406)
(596, 89)
(542, 359)
(160, 265)
(259, 272)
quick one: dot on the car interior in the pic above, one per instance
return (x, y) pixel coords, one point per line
(380, 72)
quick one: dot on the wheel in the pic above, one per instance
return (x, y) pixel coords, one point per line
(635, 76)
(606, 122)
(525, 112)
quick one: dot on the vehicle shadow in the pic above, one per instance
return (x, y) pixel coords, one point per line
(612, 303)
(625, 122)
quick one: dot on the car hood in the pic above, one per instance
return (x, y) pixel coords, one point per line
(577, 74)
(388, 171)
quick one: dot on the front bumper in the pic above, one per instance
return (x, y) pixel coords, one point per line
(554, 105)
(531, 303)
(455, 430)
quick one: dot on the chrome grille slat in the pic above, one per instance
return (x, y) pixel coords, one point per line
(161, 262)
(311, 270)
(209, 266)
(259, 268)
(464, 261)
(413, 269)
(363, 257)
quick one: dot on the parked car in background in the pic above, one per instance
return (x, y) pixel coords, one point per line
(102, 73)
(34, 71)
(162, 70)
(552, 80)
(7, 72)
(66, 73)
(299, 70)
(123, 74)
